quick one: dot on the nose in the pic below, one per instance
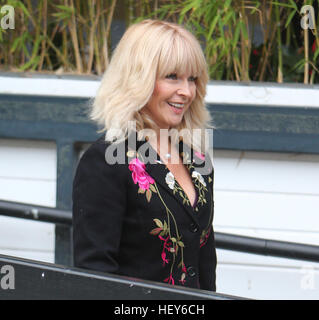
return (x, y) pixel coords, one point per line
(184, 89)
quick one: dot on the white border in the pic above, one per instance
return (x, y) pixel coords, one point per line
(217, 92)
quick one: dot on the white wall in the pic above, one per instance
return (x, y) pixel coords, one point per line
(27, 175)
(272, 196)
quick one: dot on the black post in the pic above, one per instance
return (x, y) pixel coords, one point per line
(66, 162)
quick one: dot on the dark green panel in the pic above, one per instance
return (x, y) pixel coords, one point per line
(277, 120)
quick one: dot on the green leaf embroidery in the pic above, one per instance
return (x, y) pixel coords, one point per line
(181, 244)
(155, 231)
(148, 195)
(159, 223)
(163, 233)
(152, 188)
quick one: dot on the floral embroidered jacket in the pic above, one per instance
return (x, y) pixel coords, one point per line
(134, 219)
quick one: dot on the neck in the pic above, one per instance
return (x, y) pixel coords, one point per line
(161, 143)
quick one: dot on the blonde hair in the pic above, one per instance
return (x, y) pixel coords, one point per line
(149, 50)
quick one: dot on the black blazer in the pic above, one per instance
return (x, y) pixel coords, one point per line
(134, 219)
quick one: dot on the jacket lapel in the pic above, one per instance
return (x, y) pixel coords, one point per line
(162, 175)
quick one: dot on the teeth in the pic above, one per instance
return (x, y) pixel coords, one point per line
(176, 105)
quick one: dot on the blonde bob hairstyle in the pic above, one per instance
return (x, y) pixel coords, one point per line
(150, 50)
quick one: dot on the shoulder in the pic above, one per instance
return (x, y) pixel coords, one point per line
(95, 151)
(99, 158)
(203, 163)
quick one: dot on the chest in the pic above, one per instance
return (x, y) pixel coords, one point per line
(184, 179)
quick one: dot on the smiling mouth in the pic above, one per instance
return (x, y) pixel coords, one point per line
(176, 105)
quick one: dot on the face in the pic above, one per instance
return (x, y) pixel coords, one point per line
(171, 98)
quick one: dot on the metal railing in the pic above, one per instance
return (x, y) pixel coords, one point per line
(275, 248)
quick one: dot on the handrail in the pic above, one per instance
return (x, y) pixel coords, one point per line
(35, 212)
(283, 249)
(267, 247)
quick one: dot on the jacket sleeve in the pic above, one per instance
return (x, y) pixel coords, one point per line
(208, 259)
(99, 206)
(207, 266)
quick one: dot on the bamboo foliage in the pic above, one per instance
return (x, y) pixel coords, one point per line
(243, 40)
(70, 36)
(228, 28)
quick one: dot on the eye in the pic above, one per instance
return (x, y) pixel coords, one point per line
(172, 76)
(192, 78)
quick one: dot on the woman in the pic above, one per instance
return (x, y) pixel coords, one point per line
(143, 194)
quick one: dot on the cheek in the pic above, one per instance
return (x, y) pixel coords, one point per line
(194, 91)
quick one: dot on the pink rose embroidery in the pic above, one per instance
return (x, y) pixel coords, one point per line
(139, 174)
(200, 155)
(170, 279)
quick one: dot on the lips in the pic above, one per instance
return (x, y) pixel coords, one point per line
(176, 105)
(177, 108)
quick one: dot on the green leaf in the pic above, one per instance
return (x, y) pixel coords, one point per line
(15, 44)
(243, 29)
(188, 7)
(298, 66)
(227, 4)
(213, 25)
(181, 244)
(236, 36)
(31, 63)
(293, 5)
(163, 233)
(20, 5)
(148, 195)
(69, 10)
(152, 188)
(228, 16)
(221, 30)
(158, 223)
(291, 15)
(156, 231)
